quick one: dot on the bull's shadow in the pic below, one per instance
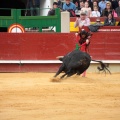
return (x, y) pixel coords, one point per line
(76, 62)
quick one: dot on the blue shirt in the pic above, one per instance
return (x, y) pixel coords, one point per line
(69, 6)
(102, 5)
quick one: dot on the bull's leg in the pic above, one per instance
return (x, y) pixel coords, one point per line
(74, 69)
(71, 72)
(63, 75)
(60, 70)
(68, 73)
(78, 72)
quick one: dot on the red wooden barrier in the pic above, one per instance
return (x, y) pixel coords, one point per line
(105, 45)
(35, 46)
(41, 46)
(46, 46)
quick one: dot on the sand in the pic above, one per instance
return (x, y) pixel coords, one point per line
(32, 96)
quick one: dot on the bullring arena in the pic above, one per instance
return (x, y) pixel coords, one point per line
(32, 96)
(28, 63)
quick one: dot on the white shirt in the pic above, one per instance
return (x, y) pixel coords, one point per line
(95, 14)
(87, 11)
(80, 23)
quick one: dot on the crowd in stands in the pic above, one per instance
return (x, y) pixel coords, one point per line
(84, 9)
(103, 6)
(88, 8)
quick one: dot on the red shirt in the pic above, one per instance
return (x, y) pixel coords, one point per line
(83, 47)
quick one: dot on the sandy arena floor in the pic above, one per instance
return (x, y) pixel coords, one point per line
(31, 96)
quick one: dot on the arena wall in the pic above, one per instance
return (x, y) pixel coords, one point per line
(36, 52)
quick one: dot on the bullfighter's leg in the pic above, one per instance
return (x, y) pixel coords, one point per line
(84, 74)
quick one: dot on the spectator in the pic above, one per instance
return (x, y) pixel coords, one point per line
(114, 4)
(81, 5)
(83, 20)
(77, 3)
(107, 10)
(97, 23)
(118, 9)
(77, 12)
(34, 6)
(59, 4)
(95, 13)
(94, 27)
(52, 11)
(29, 5)
(95, 3)
(37, 7)
(109, 21)
(102, 5)
(89, 2)
(86, 9)
(70, 6)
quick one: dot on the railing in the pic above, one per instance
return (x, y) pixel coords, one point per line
(31, 21)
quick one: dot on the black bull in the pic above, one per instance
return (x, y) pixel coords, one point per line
(76, 62)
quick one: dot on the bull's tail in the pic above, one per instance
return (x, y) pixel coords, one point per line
(102, 67)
